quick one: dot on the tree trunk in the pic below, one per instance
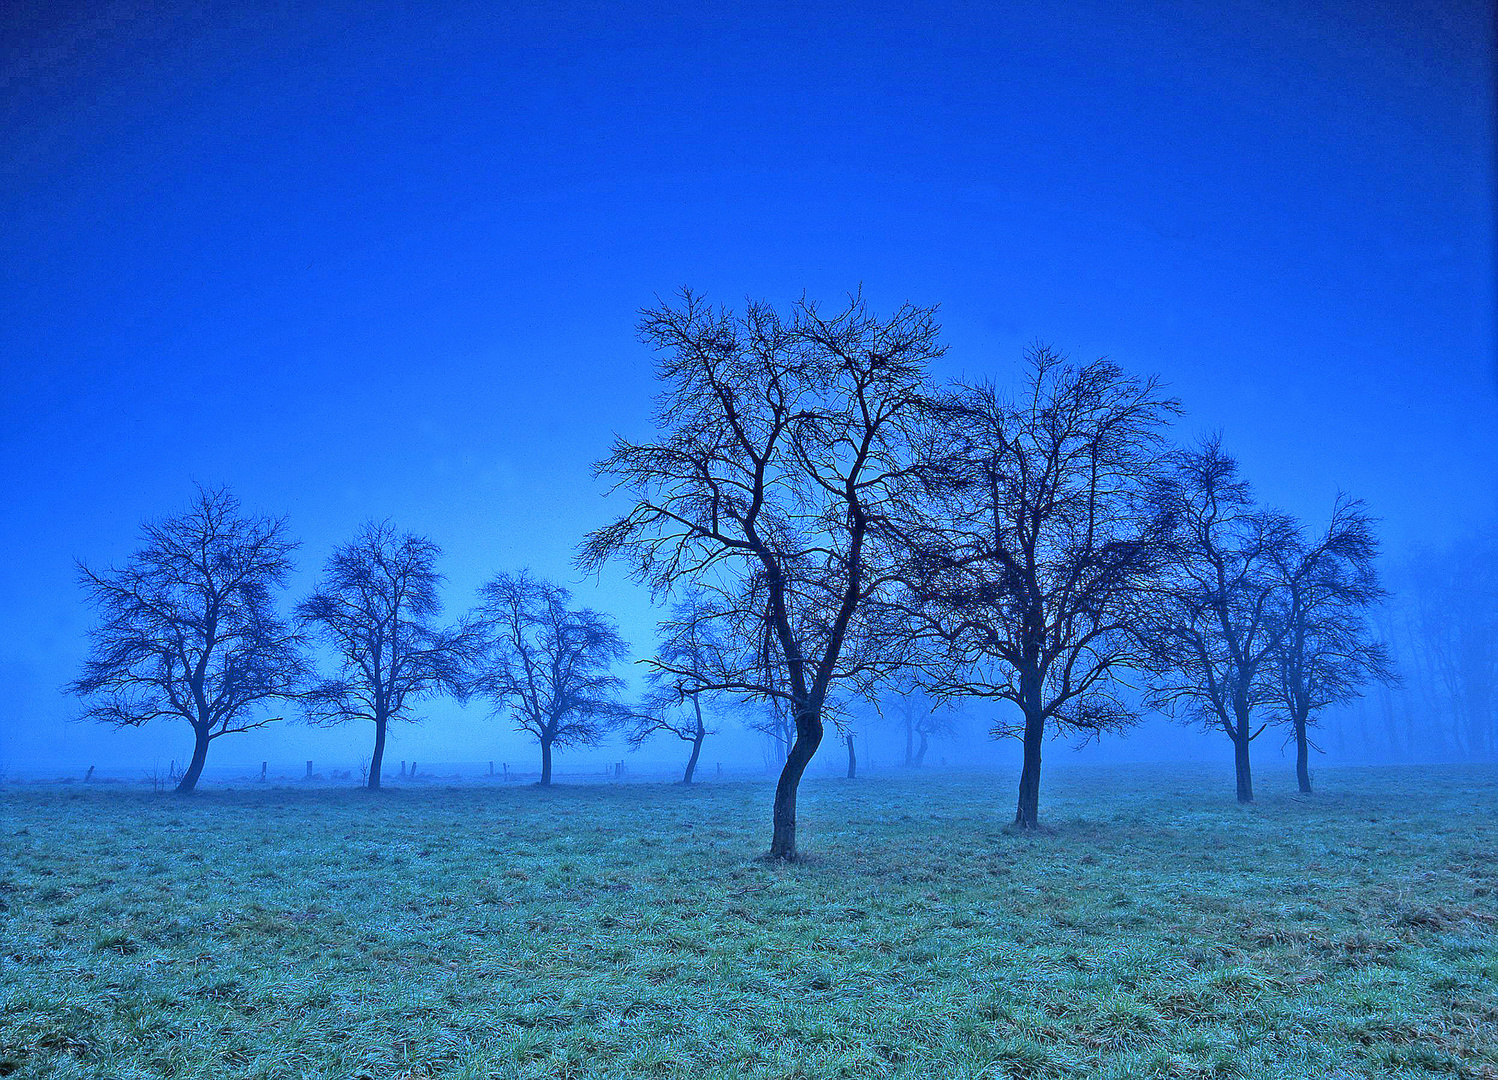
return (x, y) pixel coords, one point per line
(692, 761)
(920, 752)
(1240, 762)
(1302, 757)
(545, 762)
(189, 779)
(808, 738)
(377, 760)
(909, 743)
(852, 759)
(1027, 814)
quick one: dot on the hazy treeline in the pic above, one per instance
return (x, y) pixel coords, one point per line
(1441, 625)
(836, 540)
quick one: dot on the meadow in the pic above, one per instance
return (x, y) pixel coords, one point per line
(1154, 929)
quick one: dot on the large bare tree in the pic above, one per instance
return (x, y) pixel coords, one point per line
(549, 666)
(376, 609)
(788, 460)
(1214, 626)
(1054, 531)
(1327, 651)
(189, 629)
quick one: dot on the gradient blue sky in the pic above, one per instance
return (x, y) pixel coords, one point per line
(361, 259)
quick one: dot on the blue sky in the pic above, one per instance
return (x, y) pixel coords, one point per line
(384, 259)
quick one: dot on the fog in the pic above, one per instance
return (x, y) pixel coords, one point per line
(557, 538)
(1441, 619)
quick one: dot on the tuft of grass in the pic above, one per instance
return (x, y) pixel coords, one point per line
(1155, 929)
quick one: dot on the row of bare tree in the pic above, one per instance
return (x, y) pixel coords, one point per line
(830, 524)
(846, 523)
(190, 630)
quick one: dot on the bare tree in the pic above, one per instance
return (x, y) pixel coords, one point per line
(1447, 620)
(189, 627)
(776, 722)
(916, 714)
(376, 609)
(690, 660)
(787, 464)
(549, 666)
(1214, 626)
(1054, 531)
(1327, 651)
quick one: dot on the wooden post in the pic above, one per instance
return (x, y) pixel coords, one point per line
(88, 775)
(309, 770)
(720, 768)
(413, 770)
(491, 768)
(403, 770)
(507, 769)
(263, 766)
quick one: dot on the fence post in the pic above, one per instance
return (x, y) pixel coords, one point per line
(309, 770)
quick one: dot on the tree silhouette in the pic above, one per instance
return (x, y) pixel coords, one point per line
(189, 628)
(689, 660)
(1052, 532)
(376, 609)
(547, 665)
(788, 463)
(916, 715)
(1327, 651)
(1214, 629)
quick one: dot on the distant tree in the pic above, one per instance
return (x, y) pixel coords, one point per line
(548, 665)
(917, 716)
(790, 458)
(1053, 533)
(1327, 651)
(1214, 628)
(189, 627)
(776, 722)
(1448, 627)
(689, 661)
(376, 609)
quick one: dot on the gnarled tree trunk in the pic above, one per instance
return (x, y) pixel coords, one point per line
(189, 779)
(808, 738)
(377, 760)
(1241, 765)
(1302, 757)
(1027, 814)
(692, 761)
(545, 762)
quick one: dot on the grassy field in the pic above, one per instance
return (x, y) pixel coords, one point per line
(1155, 929)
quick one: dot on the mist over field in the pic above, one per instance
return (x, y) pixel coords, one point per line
(570, 540)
